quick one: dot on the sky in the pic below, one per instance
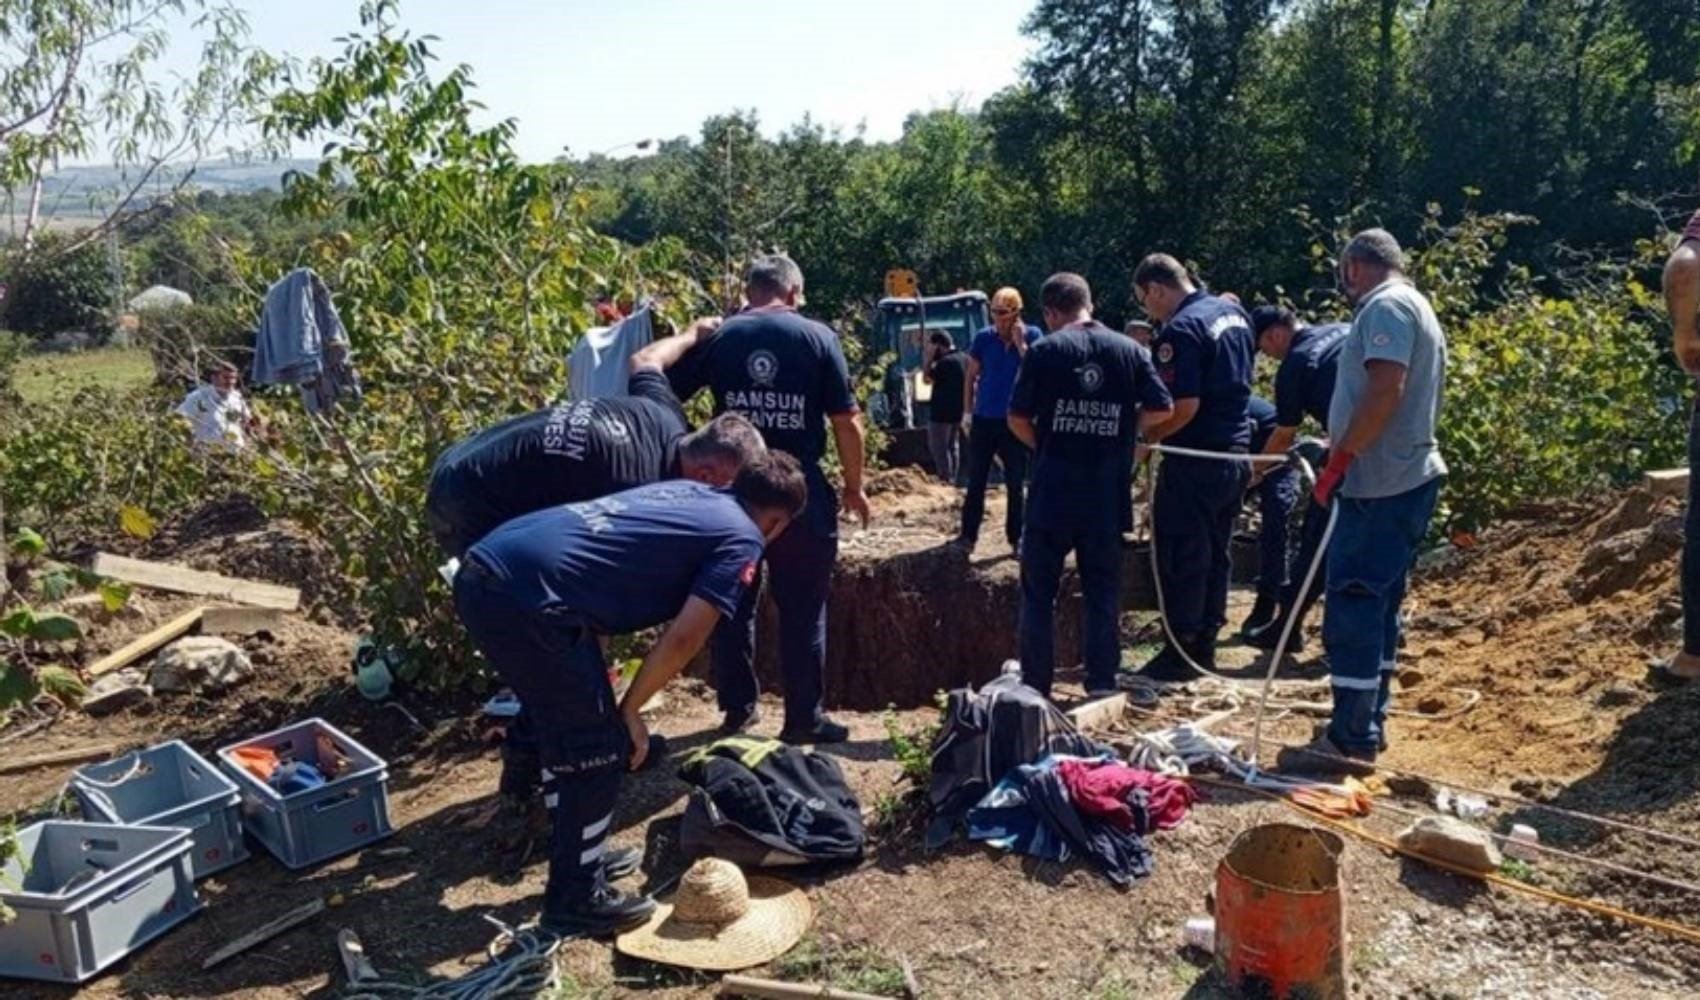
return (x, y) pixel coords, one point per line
(599, 76)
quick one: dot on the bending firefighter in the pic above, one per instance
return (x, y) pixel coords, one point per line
(539, 592)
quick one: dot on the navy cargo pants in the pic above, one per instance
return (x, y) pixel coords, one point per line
(1192, 524)
(1277, 494)
(554, 663)
(1097, 548)
(1369, 561)
(799, 565)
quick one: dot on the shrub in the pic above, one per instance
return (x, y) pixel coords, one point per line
(49, 290)
(184, 340)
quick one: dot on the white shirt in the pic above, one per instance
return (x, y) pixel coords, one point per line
(217, 418)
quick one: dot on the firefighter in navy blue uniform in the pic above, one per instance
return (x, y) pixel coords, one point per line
(1080, 398)
(1277, 492)
(787, 375)
(1204, 356)
(538, 592)
(1304, 387)
(576, 450)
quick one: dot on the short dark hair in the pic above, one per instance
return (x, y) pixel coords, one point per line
(773, 481)
(1161, 269)
(729, 438)
(1065, 292)
(215, 367)
(1264, 317)
(938, 338)
(774, 274)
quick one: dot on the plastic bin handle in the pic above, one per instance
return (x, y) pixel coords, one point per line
(336, 803)
(132, 890)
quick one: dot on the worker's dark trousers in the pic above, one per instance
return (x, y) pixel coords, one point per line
(1310, 539)
(799, 564)
(1124, 495)
(1369, 561)
(555, 665)
(989, 438)
(1276, 495)
(1691, 543)
(1096, 545)
(1192, 526)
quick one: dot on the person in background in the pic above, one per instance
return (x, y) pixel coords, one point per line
(1140, 331)
(538, 592)
(786, 374)
(1204, 355)
(1383, 474)
(946, 371)
(993, 360)
(1682, 298)
(1081, 397)
(1277, 490)
(218, 415)
(1304, 386)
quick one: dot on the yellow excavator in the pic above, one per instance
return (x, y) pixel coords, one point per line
(903, 321)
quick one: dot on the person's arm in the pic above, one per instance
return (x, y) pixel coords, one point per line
(1173, 421)
(683, 638)
(1021, 426)
(969, 383)
(847, 432)
(660, 355)
(931, 358)
(1682, 299)
(1380, 400)
(1153, 418)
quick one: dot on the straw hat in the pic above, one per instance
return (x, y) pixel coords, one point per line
(721, 921)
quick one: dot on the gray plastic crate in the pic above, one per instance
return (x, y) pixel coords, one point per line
(88, 894)
(349, 811)
(168, 785)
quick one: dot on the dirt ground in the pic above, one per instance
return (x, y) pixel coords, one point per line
(1552, 619)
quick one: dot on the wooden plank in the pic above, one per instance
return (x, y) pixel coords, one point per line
(265, 932)
(62, 757)
(135, 649)
(184, 580)
(240, 621)
(1097, 714)
(773, 989)
(1666, 482)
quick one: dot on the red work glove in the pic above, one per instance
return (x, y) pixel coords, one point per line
(1332, 474)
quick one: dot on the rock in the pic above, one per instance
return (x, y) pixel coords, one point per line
(1409, 678)
(199, 663)
(1617, 695)
(1447, 839)
(117, 691)
(1431, 705)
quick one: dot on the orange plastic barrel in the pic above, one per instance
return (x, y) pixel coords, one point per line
(1280, 915)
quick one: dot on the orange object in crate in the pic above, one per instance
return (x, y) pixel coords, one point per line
(257, 761)
(1280, 915)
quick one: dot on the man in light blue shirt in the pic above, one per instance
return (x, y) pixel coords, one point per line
(1384, 473)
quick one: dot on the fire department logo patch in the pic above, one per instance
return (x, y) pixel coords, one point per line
(1091, 377)
(763, 367)
(748, 576)
(1165, 353)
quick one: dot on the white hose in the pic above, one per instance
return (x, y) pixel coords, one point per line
(526, 969)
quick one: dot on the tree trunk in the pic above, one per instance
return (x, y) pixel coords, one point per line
(1382, 109)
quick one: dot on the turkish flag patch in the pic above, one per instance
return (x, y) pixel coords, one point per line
(748, 576)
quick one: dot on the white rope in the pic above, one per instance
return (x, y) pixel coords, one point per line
(96, 789)
(526, 968)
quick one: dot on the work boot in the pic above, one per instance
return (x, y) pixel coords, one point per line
(1262, 613)
(823, 731)
(1168, 666)
(1270, 634)
(1202, 648)
(740, 720)
(618, 862)
(606, 912)
(1323, 757)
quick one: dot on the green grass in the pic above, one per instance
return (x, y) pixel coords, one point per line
(860, 970)
(42, 378)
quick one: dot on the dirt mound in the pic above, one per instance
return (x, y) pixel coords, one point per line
(234, 536)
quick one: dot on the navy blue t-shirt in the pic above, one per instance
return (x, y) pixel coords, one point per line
(1304, 383)
(576, 450)
(786, 373)
(628, 561)
(1205, 352)
(1083, 387)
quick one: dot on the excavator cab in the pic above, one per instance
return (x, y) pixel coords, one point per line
(902, 328)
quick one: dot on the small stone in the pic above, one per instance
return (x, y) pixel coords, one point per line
(1616, 695)
(203, 663)
(117, 691)
(1446, 839)
(1410, 678)
(1431, 705)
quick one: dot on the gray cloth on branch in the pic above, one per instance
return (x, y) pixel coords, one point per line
(598, 367)
(302, 342)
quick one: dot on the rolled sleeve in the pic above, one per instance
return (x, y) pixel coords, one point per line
(1148, 389)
